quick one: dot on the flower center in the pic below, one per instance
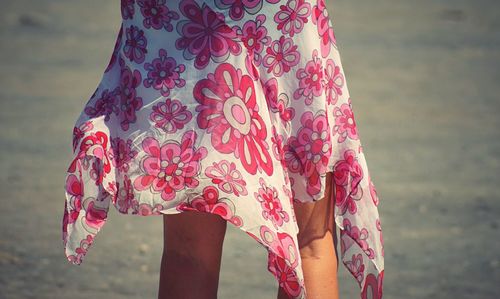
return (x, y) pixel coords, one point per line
(237, 114)
(163, 163)
(251, 41)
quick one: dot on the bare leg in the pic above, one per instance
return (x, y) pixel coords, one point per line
(192, 254)
(317, 243)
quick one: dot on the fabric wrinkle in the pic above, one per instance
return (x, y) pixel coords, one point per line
(230, 108)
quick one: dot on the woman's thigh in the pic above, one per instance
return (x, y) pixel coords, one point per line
(196, 235)
(192, 252)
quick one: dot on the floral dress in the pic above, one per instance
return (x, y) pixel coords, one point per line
(233, 107)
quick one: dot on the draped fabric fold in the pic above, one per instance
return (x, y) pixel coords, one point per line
(232, 108)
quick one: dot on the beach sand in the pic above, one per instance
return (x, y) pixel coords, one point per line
(423, 78)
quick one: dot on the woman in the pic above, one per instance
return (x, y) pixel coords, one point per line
(223, 111)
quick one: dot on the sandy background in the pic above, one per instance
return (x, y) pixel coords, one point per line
(423, 76)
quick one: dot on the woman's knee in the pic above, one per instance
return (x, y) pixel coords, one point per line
(319, 247)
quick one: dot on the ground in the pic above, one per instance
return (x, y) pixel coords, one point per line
(423, 78)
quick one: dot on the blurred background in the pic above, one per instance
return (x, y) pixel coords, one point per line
(424, 81)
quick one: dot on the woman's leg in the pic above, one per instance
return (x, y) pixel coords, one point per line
(192, 254)
(317, 243)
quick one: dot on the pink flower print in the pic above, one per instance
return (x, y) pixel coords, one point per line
(282, 261)
(251, 67)
(95, 144)
(164, 74)
(116, 49)
(227, 177)
(277, 148)
(210, 202)
(292, 16)
(157, 15)
(293, 162)
(360, 236)
(229, 111)
(170, 115)
(325, 30)
(145, 209)
(104, 105)
(95, 172)
(347, 176)
(270, 204)
(170, 167)
(373, 191)
(281, 243)
(270, 88)
(285, 275)
(124, 197)
(127, 96)
(278, 103)
(237, 8)
(74, 188)
(333, 82)
(236, 221)
(356, 267)
(205, 35)
(135, 45)
(254, 36)
(112, 188)
(312, 147)
(127, 7)
(379, 228)
(79, 132)
(289, 194)
(121, 153)
(345, 124)
(65, 222)
(373, 286)
(311, 79)
(82, 250)
(286, 112)
(96, 216)
(281, 56)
